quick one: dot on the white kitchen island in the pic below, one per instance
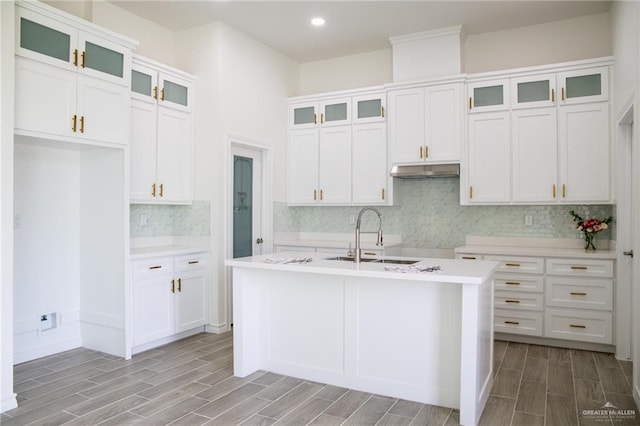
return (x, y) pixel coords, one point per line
(420, 336)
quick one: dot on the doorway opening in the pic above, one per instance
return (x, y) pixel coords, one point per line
(248, 208)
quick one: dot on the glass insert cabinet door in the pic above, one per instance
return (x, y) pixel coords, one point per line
(588, 85)
(335, 112)
(533, 91)
(55, 43)
(303, 115)
(488, 96)
(369, 108)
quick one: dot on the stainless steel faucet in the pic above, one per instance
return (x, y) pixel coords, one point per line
(358, 255)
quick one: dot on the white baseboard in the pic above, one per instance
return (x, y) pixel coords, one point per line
(165, 340)
(217, 328)
(8, 403)
(42, 351)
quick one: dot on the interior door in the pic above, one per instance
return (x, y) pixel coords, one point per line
(247, 202)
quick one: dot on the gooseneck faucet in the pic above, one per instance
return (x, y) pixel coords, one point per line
(358, 254)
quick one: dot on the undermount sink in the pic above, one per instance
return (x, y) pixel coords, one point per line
(397, 261)
(369, 259)
(351, 259)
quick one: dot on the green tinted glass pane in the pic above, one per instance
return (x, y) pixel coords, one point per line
(335, 112)
(175, 93)
(370, 108)
(102, 59)
(487, 96)
(533, 91)
(303, 115)
(584, 85)
(45, 40)
(141, 83)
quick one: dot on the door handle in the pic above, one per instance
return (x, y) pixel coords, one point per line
(628, 253)
(259, 241)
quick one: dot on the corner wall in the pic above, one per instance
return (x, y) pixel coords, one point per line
(7, 31)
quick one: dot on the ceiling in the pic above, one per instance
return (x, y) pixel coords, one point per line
(352, 26)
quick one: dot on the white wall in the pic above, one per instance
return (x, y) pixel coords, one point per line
(625, 20)
(559, 41)
(346, 72)
(241, 90)
(7, 397)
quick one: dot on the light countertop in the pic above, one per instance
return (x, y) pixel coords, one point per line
(539, 247)
(451, 270)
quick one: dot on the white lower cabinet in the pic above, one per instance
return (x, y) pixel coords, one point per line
(561, 298)
(169, 296)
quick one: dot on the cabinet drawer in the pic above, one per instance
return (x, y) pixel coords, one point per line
(190, 262)
(518, 282)
(580, 267)
(527, 265)
(153, 267)
(521, 301)
(579, 293)
(574, 324)
(528, 323)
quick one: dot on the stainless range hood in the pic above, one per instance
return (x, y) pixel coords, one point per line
(425, 171)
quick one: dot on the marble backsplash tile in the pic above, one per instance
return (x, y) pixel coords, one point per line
(430, 216)
(170, 220)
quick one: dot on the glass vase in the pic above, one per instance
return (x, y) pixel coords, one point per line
(590, 240)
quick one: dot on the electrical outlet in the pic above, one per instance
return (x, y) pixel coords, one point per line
(143, 220)
(17, 221)
(352, 219)
(528, 220)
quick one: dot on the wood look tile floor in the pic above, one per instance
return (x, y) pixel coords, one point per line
(191, 382)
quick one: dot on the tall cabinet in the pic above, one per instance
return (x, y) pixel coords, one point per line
(337, 149)
(540, 136)
(161, 133)
(70, 185)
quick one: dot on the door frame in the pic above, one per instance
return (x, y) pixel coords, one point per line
(625, 335)
(263, 150)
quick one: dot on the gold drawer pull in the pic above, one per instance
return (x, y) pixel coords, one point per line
(577, 326)
(512, 322)
(193, 262)
(512, 301)
(369, 253)
(155, 267)
(180, 284)
(469, 257)
(582, 268)
(511, 283)
(578, 293)
(173, 286)
(513, 265)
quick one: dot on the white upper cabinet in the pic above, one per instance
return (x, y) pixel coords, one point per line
(488, 96)
(370, 176)
(161, 134)
(560, 137)
(580, 86)
(533, 91)
(534, 143)
(489, 173)
(335, 112)
(369, 108)
(425, 124)
(302, 167)
(47, 39)
(584, 155)
(72, 78)
(337, 150)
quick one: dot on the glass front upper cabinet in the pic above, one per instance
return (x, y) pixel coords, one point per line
(589, 85)
(488, 96)
(174, 92)
(369, 108)
(303, 115)
(55, 43)
(533, 91)
(335, 112)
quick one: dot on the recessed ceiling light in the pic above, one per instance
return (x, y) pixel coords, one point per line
(317, 22)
